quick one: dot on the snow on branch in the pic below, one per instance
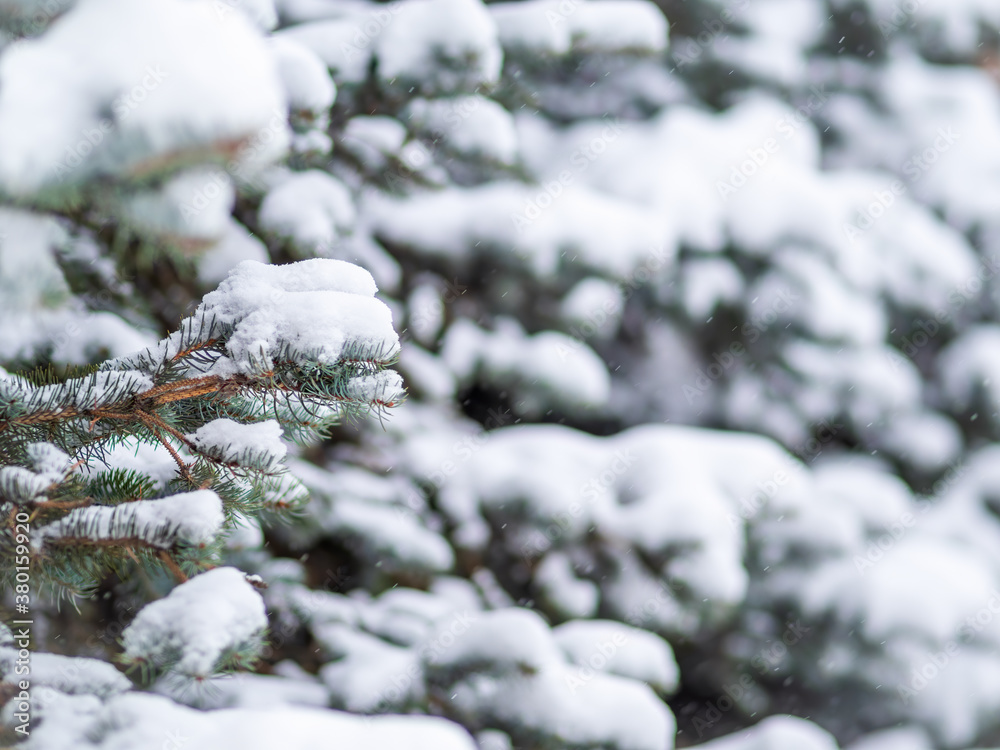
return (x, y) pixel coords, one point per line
(213, 617)
(179, 81)
(49, 466)
(275, 353)
(242, 444)
(310, 335)
(318, 311)
(191, 518)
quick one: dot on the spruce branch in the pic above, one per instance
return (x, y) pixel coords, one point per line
(275, 351)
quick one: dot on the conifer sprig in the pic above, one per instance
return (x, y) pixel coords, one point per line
(191, 398)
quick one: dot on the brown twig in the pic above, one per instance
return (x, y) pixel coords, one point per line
(174, 567)
(185, 471)
(194, 348)
(180, 390)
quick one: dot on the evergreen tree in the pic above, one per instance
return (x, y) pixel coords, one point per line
(696, 311)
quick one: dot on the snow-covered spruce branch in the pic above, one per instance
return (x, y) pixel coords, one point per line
(191, 518)
(275, 351)
(307, 343)
(213, 622)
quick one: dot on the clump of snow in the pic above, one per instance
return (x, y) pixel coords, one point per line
(615, 26)
(307, 312)
(258, 279)
(246, 534)
(923, 439)
(426, 312)
(970, 368)
(307, 83)
(916, 572)
(235, 245)
(374, 140)
(370, 515)
(43, 314)
(49, 466)
(192, 207)
(708, 282)
(562, 591)
(382, 388)
(620, 649)
(143, 720)
(502, 642)
(415, 48)
(426, 373)
(68, 674)
(198, 623)
(780, 35)
(472, 126)
(504, 671)
(46, 459)
(28, 241)
(528, 27)
(389, 531)
(335, 42)
(258, 444)
(151, 460)
(357, 682)
(168, 55)
(678, 495)
(547, 368)
(547, 227)
(935, 129)
(549, 27)
(19, 485)
(776, 733)
(311, 209)
(594, 307)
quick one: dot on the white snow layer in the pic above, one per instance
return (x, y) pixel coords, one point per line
(550, 27)
(619, 649)
(49, 466)
(44, 314)
(179, 77)
(468, 125)
(776, 733)
(198, 623)
(308, 312)
(258, 444)
(145, 722)
(416, 47)
(188, 518)
(504, 667)
(311, 209)
(565, 369)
